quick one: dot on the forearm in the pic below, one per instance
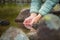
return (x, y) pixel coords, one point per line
(47, 6)
(35, 6)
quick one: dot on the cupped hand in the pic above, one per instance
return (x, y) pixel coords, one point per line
(35, 19)
(28, 20)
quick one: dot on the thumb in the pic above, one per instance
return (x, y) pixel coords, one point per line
(32, 22)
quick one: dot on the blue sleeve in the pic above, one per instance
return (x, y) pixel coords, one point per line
(35, 6)
(47, 6)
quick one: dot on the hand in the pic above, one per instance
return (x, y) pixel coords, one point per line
(35, 19)
(28, 20)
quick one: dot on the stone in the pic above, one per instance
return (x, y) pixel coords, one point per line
(48, 28)
(4, 22)
(24, 13)
(14, 34)
(44, 31)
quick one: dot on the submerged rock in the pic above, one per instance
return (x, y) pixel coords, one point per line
(14, 34)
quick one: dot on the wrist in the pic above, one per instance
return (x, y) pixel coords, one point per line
(39, 15)
(33, 14)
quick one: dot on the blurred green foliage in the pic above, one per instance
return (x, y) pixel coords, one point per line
(10, 11)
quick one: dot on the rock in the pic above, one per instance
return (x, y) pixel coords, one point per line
(44, 31)
(56, 12)
(52, 21)
(4, 22)
(24, 13)
(48, 28)
(14, 34)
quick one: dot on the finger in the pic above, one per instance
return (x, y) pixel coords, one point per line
(27, 21)
(32, 22)
(28, 26)
(24, 21)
